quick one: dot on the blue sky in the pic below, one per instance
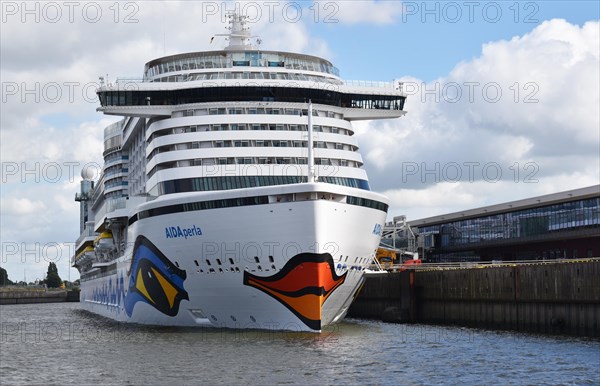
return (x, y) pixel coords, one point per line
(430, 49)
(550, 51)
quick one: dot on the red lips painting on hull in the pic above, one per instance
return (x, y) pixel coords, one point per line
(302, 285)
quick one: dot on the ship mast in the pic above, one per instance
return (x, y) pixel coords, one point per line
(311, 155)
(239, 37)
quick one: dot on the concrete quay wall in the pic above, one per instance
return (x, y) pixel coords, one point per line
(547, 298)
(8, 296)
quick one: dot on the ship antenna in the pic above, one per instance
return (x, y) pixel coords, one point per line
(311, 156)
(240, 35)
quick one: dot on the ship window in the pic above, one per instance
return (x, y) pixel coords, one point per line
(219, 261)
(231, 261)
(177, 264)
(273, 266)
(259, 268)
(256, 259)
(271, 259)
(207, 262)
(196, 261)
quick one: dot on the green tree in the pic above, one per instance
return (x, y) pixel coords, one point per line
(4, 280)
(52, 278)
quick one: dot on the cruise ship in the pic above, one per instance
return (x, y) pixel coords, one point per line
(232, 193)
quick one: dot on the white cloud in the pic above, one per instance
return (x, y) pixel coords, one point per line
(21, 206)
(535, 146)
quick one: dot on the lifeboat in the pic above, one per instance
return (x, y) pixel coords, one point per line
(104, 242)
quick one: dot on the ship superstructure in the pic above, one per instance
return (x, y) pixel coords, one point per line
(233, 192)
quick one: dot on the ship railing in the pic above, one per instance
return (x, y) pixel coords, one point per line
(87, 232)
(129, 79)
(124, 82)
(486, 264)
(368, 83)
(110, 205)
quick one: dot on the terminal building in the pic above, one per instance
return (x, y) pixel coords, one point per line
(562, 225)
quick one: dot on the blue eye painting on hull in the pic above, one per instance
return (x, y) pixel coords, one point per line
(154, 279)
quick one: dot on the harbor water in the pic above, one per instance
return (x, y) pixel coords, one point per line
(58, 343)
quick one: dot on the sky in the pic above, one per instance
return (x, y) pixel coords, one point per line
(503, 98)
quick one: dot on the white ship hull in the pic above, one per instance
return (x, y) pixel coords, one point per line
(279, 266)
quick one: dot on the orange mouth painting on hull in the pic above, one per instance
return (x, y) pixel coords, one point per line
(302, 285)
